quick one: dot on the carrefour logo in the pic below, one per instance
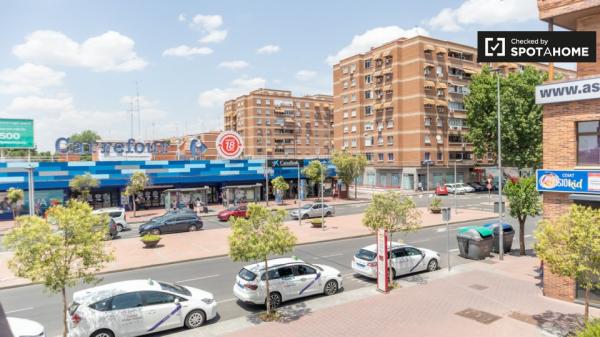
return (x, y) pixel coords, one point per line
(552, 181)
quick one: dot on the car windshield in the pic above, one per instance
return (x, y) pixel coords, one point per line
(174, 288)
(232, 208)
(246, 274)
(307, 206)
(367, 255)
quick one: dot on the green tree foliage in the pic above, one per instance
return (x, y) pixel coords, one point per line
(261, 235)
(279, 184)
(137, 183)
(86, 137)
(14, 195)
(82, 185)
(316, 171)
(392, 212)
(60, 254)
(592, 329)
(349, 167)
(521, 117)
(524, 201)
(570, 247)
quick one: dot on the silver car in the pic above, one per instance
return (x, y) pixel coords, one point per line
(118, 215)
(313, 211)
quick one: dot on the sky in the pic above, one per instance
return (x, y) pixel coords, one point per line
(76, 65)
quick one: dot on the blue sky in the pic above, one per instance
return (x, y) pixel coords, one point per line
(73, 65)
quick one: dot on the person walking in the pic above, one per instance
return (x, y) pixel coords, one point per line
(420, 187)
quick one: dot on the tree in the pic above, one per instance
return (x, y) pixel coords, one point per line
(316, 171)
(521, 117)
(394, 213)
(59, 257)
(524, 200)
(280, 185)
(261, 235)
(86, 137)
(82, 185)
(349, 167)
(14, 195)
(137, 183)
(570, 247)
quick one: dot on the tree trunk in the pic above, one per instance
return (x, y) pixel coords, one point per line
(267, 283)
(64, 300)
(521, 235)
(389, 260)
(586, 312)
(134, 208)
(355, 188)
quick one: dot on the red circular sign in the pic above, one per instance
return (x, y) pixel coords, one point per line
(229, 144)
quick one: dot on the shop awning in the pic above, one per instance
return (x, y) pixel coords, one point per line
(429, 84)
(441, 50)
(441, 85)
(470, 71)
(585, 197)
(428, 47)
(440, 102)
(429, 101)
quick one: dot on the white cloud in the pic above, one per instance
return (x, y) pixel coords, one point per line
(216, 97)
(214, 36)
(181, 17)
(29, 78)
(234, 65)
(305, 75)
(37, 103)
(373, 38)
(206, 22)
(485, 13)
(110, 51)
(268, 49)
(187, 51)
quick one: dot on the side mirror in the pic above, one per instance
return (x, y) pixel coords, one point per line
(176, 300)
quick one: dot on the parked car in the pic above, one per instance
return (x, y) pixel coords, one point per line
(441, 190)
(313, 211)
(467, 188)
(21, 327)
(405, 259)
(138, 307)
(289, 278)
(233, 211)
(118, 215)
(478, 187)
(172, 223)
(455, 188)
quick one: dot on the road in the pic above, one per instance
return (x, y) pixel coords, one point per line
(217, 275)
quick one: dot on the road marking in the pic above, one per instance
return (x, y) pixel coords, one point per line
(332, 255)
(528, 236)
(198, 278)
(228, 300)
(440, 230)
(453, 250)
(19, 310)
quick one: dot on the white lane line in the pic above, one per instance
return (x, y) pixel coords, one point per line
(440, 230)
(453, 250)
(332, 255)
(19, 310)
(528, 236)
(198, 278)
(228, 300)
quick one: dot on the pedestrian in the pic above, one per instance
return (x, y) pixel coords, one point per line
(199, 205)
(420, 187)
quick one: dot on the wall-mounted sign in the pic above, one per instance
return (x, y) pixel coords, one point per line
(16, 134)
(285, 163)
(573, 181)
(229, 144)
(64, 145)
(588, 88)
(197, 147)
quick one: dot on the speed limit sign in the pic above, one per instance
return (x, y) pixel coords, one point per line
(229, 144)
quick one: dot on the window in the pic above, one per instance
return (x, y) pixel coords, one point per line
(157, 297)
(353, 98)
(352, 67)
(345, 144)
(345, 129)
(368, 94)
(456, 106)
(440, 92)
(258, 102)
(368, 79)
(390, 156)
(345, 70)
(427, 140)
(390, 123)
(126, 301)
(379, 125)
(439, 71)
(380, 156)
(103, 305)
(306, 105)
(345, 114)
(353, 142)
(427, 156)
(267, 102)
(440, 123)
(345, 99)
(369, 141)
(369, 156)
(368, 126)
(380, 140)
(367, 63)
(268, 121)
(353, 127)
(305, 270)
(345, 84)
(353, 113)
(368, 111)
(316, 123)
(285, 272)
(427, 121)
(390, 140)
(439, 139)
(259, 121)
(427, 71)
(258, 111)
(353, 82)
(440, 156)
(267, 112)
(588, 143)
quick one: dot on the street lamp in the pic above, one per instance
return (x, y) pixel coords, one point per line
(499, 115)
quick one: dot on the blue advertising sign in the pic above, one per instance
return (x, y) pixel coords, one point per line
(568, 181)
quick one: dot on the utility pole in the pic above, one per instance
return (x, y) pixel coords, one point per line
(322, 203)
(298, 195)
(501, 227)
(30, 184)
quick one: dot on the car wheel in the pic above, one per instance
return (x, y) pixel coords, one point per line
(195, 319)
(328, 214)
(432, 265)
(331, 288)
(192, 228)
(275, 300)
(305, 216)
(155, 231)
(119, 228)
(103, 333)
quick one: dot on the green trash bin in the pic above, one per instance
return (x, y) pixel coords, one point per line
(475, 242)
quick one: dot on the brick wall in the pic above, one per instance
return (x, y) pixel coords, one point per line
(590, 23)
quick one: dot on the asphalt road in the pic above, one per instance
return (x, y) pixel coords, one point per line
(217, 275)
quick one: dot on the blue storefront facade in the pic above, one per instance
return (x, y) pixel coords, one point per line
(51, 179)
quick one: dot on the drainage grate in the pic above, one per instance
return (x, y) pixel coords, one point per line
(478, 287)
(479, 316)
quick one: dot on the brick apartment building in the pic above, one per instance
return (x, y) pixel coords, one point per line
(276, 124)
(571, 139)
(401, 104)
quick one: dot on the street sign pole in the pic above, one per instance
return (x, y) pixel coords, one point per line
(501, 230)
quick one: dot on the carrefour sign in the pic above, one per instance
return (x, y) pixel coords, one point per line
(573, 181)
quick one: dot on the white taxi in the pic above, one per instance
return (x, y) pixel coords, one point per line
(138, 307)
(289, 278)
(405, 259)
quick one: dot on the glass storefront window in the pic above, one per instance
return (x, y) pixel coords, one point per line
(588, 143)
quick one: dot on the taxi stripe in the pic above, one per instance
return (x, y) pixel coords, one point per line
(164, 319)
(311, 283)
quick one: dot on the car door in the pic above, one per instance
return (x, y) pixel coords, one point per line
(308, 280)
(315, 211)
(181, 223)
(128, 310)
(400, 260)
(274, 282)
(287, 282)
(241, 211)
(416, 259)
(161, 311)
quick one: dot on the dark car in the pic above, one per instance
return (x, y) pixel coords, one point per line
(172, 223)
(478, 187)
(234, 211)
(113, 229)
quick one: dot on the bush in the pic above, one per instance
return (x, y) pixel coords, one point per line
(436, 205)
(592, 329)
(150, 237)
(316, 222)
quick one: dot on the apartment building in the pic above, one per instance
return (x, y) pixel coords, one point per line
(276, 124)
(401, 104)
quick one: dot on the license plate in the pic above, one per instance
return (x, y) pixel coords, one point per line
(360, 265)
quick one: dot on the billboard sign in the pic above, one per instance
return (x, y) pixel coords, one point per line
(573, 181)
(285, 163)
(382, 270)
(16, 134)
(578, 90)
(229, 144)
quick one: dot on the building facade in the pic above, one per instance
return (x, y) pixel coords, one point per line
(274, 123)
(401, 104)
(571, 139)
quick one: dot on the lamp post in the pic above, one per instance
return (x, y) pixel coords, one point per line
(298, 195)
(501, 227)
(322, 203)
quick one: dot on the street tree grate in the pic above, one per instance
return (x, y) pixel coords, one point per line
(478, 315)
(478, 287)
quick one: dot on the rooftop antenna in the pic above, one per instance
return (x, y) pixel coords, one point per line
(137, 98)
(131, 117)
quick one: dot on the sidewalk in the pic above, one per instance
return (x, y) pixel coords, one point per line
(130, 254)
(489, 298)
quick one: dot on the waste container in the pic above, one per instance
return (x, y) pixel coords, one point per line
(507, 236)
(474, 242)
